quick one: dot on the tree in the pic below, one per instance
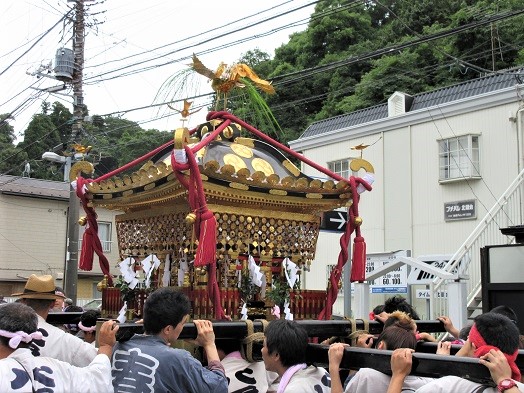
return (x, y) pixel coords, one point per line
(41, 136)
(12, 159)
(7, 132)
(377, 85)
(118, 141)
(62, 119)
(133, 145)
(329, 68)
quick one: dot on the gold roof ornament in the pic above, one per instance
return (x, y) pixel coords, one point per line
(236, 82)
(226, 78)
(185, 112)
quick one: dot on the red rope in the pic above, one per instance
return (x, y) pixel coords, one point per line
(197, 202)
(132, 163)
(358, 266)
(205, 222)
(261, 135)
(90, 240)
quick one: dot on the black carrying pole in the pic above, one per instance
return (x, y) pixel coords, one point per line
(314, 328)
(424, 364)
(238, 329)
(425, 361)
(429, 347)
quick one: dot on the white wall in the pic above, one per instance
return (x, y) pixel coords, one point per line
(33, 236)
(405, 210)
(33, 240)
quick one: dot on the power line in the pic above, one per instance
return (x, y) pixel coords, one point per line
(213, 30)
(352, 3)
(34, 44)
(398, 47)
(277, 83)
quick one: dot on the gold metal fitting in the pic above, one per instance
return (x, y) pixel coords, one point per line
(190, 218)
(358, 221)
(102, 284)
(181, 138)
(82, 221)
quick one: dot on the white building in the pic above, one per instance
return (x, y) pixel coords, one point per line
(33, 235)
(442, 159)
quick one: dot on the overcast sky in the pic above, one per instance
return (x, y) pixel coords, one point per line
(124, 32)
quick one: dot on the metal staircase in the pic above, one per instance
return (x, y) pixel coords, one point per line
(507, 211)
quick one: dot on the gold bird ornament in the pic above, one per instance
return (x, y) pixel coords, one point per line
(237, 89)
(226, 78)
(359, 147)
(185, 111)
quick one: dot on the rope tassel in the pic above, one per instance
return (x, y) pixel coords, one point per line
(358, 265)
(90, 241)
(207, 247)
(88, 252)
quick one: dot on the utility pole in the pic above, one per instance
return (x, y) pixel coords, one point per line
(71, 264)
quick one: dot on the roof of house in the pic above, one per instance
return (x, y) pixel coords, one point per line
(471, 88)
(36, 188)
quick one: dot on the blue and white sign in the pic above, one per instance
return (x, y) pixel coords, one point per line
(395, 281)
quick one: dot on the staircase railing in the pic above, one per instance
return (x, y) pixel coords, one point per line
(507, 211)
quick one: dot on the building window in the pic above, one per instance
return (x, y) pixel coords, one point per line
(459, 157)
(340, 167)
(104, 234)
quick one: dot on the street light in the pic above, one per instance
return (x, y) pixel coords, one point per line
(53, 157)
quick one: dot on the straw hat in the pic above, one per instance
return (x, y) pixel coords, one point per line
(39, 287)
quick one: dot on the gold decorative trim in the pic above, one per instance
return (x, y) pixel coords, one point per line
(181, 138)
(314, 196)
(291, 167)
(358, 163)
(149, 186)
(242, 150)
(153, 212)
(328, 185)
(261, 165)
(236, 161)
(277, 192)
(246, 141)
(80, 167)
(238, 186)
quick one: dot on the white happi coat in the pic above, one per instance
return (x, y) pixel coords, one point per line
(21, 372)
(63, 346)
(309, 380)
(451, 384)
(245, 376)
(368, 380)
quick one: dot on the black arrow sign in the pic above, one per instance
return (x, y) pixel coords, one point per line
(334, 221)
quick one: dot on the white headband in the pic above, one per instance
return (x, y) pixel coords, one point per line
(86, 329)
(18, 337)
